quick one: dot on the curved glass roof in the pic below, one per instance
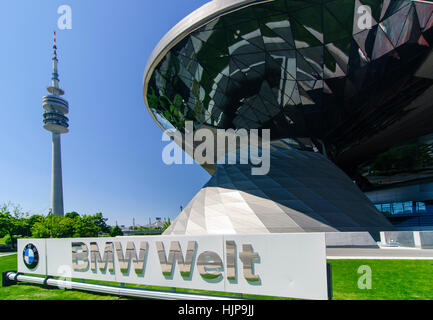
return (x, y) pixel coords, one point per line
(300, 68)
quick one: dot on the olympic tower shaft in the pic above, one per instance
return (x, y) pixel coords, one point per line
(55, 121)
(56, 176)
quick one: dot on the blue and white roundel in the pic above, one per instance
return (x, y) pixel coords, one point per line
(30, 256)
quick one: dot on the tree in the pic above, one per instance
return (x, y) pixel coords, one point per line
(166, 225)
(33, 219)
(41, 230)
(7, 224)
(101, 222)
(12, 224)
(72, 215)
(65, 228)
(72, 225)
(86, 227)
(116, 231)
(15, 222)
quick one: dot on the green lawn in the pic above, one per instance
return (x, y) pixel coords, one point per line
(391, 280)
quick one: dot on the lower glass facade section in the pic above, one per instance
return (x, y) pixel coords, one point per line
(405, 208)
(408, 213)
(406, 162)
(303, 192)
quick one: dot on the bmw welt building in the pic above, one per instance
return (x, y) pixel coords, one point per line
(345, 88)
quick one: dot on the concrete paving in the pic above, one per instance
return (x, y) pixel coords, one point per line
(372, 253)
(7, 254)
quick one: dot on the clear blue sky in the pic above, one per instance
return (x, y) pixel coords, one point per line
(112, 155)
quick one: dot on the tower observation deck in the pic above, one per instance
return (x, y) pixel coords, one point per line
(55, 121)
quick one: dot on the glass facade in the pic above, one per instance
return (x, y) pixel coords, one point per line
(400, 207)
(303, 69)
(308, 71)
(405, 162)
(409, 213)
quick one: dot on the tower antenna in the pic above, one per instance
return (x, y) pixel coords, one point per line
(55, 46)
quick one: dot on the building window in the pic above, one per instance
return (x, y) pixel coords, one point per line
(405, 208)
(420, 207)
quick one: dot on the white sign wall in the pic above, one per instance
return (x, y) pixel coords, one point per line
(286, 265)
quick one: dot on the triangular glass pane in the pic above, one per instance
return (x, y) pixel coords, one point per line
(306, 100)
(411, 29)
(302, 37)
(382, 44)
(286, 91)
(293, 6)
(365, 41)
(253, 65)
(340, 51)
(214, 65)
(238, 17)
(304, 69)
(269, 9)
(362, 17)
(390, 7)
(333, 29)
(332, 69)
(424, 12)
(311, 18)
(267, 94)
(210, 51)
(235, 32)
(393, 25)
(314, 57)
(343, 11)
(255, 38)
(375, 6)
(272, 41)
(282, 28)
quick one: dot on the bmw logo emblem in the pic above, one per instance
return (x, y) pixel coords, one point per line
(30, 256)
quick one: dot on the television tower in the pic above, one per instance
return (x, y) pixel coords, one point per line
(55, 121)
